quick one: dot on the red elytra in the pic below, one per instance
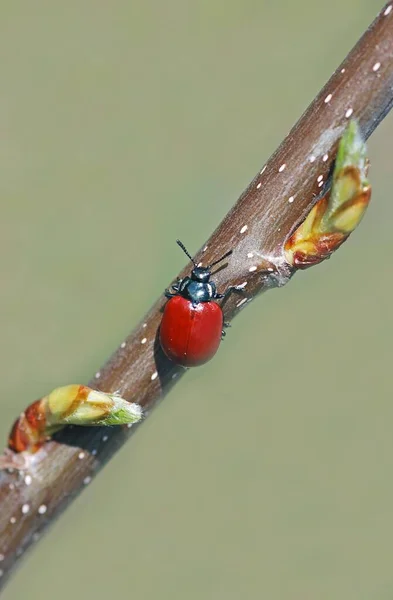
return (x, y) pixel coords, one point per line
(192, 323)
(190, 335)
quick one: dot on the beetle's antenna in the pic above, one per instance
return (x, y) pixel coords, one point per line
(182, 246)
(220, 259)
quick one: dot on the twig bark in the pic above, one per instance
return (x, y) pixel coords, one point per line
(256, 228)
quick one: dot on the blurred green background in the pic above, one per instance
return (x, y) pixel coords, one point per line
(266, 473)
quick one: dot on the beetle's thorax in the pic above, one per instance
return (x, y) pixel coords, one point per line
(196, 290)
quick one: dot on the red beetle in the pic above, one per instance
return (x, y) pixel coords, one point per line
(192, 324)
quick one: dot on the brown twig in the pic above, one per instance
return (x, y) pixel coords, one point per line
(256, 228)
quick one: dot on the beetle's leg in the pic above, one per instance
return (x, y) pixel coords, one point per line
(175, 287)
(232, 288)
(223, 332)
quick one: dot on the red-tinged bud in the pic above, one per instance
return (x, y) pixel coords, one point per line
(340, 211)
(71, 404)
(28, 431)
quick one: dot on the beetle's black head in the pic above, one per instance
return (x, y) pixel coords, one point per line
(201, 274)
